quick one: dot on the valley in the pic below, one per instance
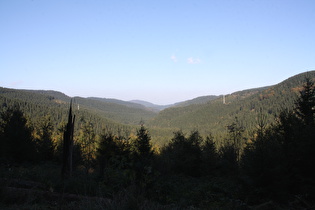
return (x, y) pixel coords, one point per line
(239, 153)
(207, 114)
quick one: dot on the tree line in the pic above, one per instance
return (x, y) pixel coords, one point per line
(274, 164)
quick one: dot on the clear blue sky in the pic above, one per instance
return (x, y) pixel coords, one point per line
(162, 51)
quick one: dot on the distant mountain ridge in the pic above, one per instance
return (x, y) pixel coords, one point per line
(214, 116)
(198, 100)
(117, 101)
(115, 110)
(205, 113)
(153, 107)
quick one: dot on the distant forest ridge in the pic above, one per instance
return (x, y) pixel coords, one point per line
(215, 115)
(141, 103)
(206, 113)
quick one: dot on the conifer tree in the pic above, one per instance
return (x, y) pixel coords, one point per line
(143, 153)
(183, 155)
(285, 150)
(306, 103)
(16, 136)
(87, 140)
(45, 144)
(106, 150)
(209, 156)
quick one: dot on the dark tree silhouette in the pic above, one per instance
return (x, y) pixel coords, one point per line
(183, 155)
(236, 138)
(143, 147)
(16, 136)
(143, 154)
(209, 156)
(46, 146)
(306, 103)
(264, 166)
(107, 149)
(280, 160)
(304, 147)
(68, 145)
(230, 152)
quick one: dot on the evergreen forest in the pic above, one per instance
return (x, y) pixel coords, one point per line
(252, 150)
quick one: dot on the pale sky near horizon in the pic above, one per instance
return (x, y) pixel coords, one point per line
(161, 51)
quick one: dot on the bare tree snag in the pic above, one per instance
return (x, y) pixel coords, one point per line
(68, 145)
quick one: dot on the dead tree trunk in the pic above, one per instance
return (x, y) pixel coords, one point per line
(68, 145)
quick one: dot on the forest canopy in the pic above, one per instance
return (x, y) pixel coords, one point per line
(267, 163)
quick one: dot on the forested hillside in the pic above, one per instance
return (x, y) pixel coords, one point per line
(214, 116)
(205, 114)
(38, 103)
(198, 100)
(49, 166)
(157, 108)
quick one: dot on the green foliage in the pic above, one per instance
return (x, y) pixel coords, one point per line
(208, 114)
(260, 159)
(236, 138)
(142, 155)
(210, 157)
(263, 162)
(142, 144)
(107, 151)
(306, 103)
(279, 161)
(183, 155)
(109, 113)
(44, 142)
(122, 113)
(16, 138)
(244, 105)
(198, 100)
(87, 141)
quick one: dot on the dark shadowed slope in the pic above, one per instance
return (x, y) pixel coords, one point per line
(113, 110)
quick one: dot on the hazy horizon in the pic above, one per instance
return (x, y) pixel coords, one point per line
(143, 100)
(162, 52)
